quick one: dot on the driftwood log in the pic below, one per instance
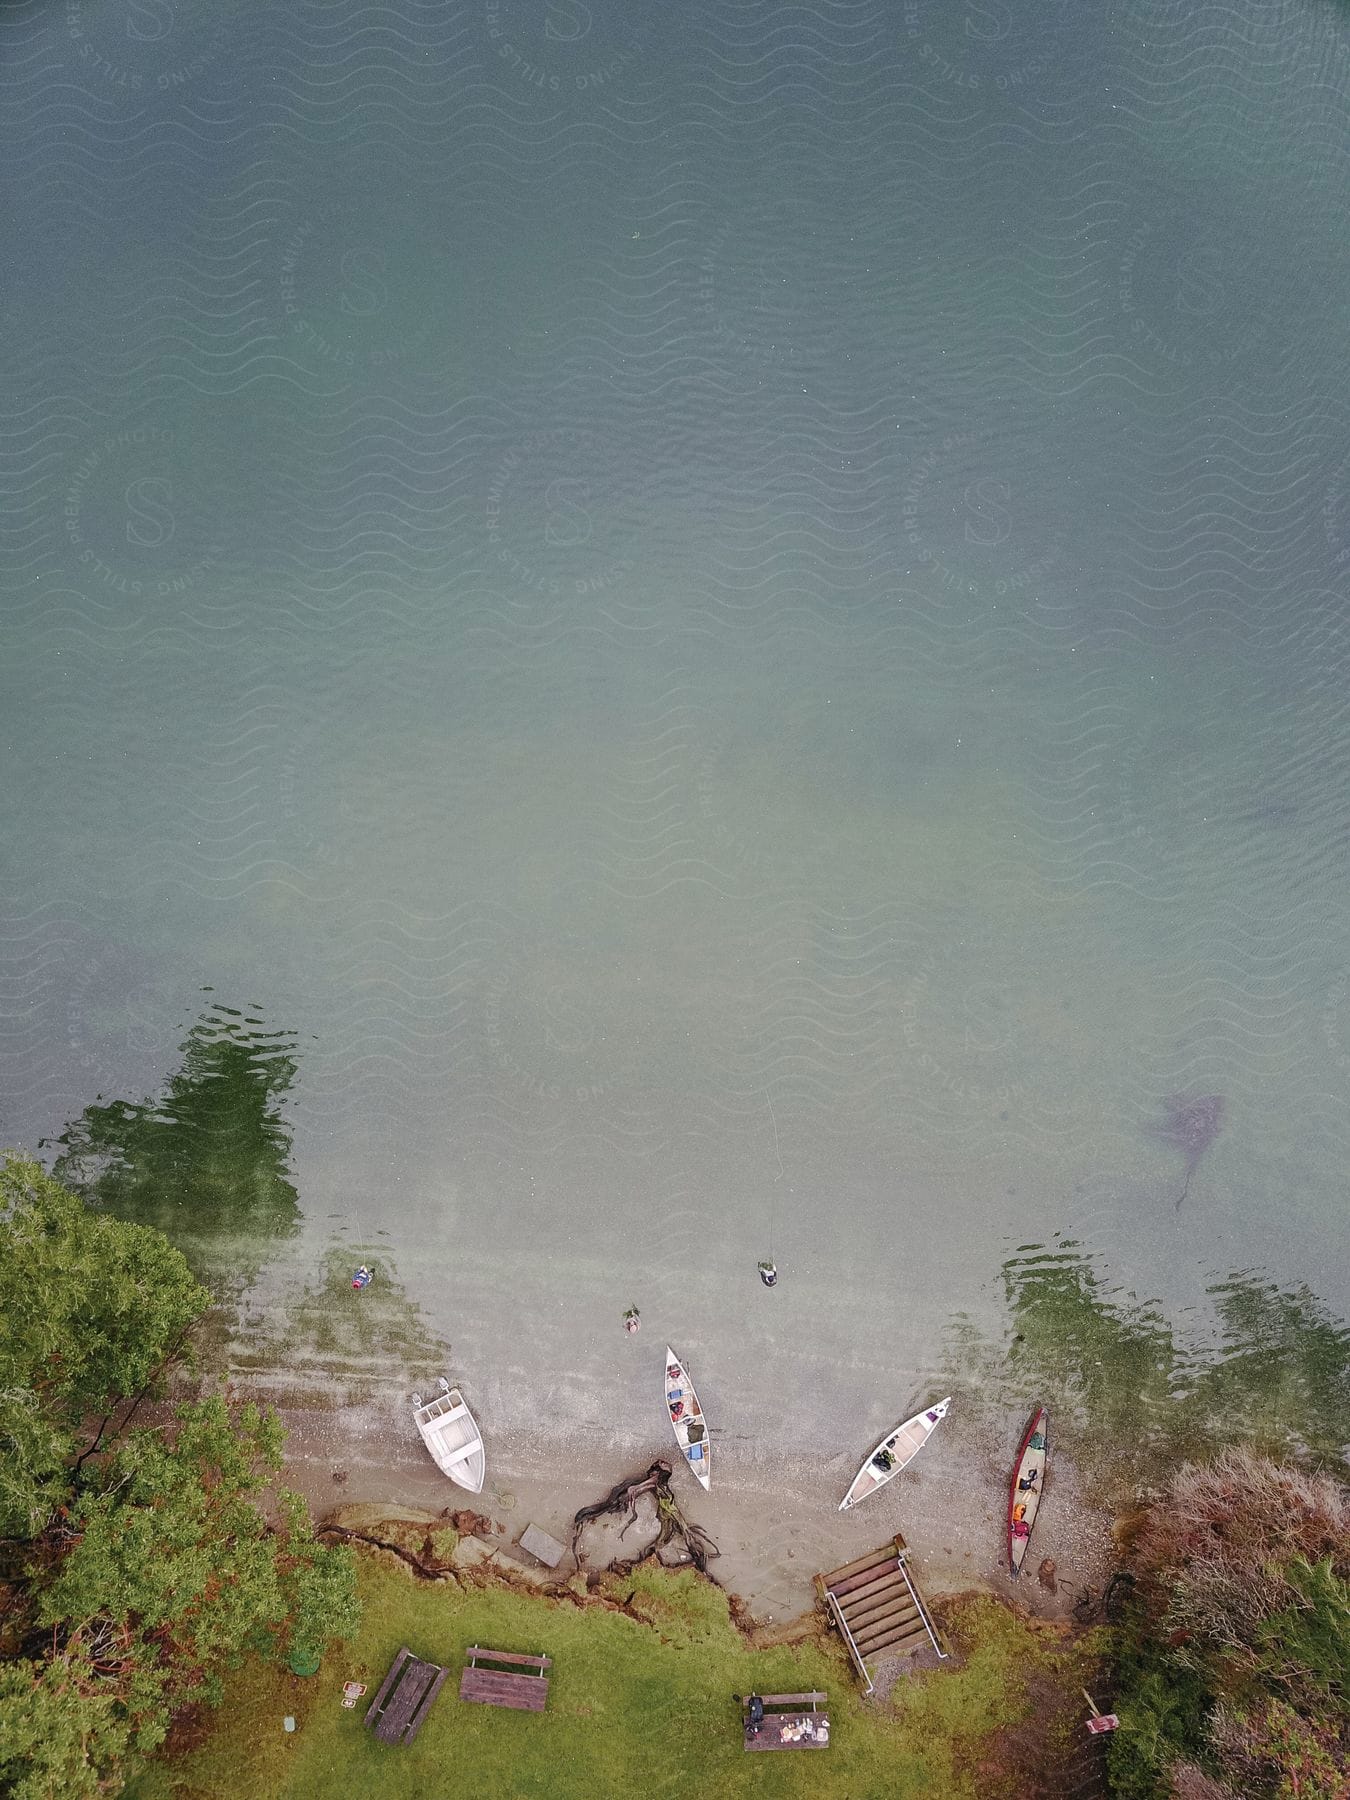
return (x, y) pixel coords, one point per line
(673, 1527)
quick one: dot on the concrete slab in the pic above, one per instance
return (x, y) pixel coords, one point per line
(539, 1544)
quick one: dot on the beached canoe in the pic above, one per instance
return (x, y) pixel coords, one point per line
(450, 1431)
(896, 1449)
(686, 1416)
(1028, 1483)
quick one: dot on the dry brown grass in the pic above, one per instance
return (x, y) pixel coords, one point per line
(1257, 1509)
(1215, 1549)
(1272, 1749)
(1224, 1558)
(1190, 1783)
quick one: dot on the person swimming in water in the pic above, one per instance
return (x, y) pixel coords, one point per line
(768, 1274)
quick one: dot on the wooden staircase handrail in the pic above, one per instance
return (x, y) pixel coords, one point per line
(922, 1609)
(856, 1654)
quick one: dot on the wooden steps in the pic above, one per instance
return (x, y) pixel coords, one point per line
(887, 1553)
(884, 1623)
(876, 1599)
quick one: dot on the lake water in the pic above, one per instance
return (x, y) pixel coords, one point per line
(725, 627)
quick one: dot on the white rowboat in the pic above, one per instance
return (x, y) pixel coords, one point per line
(686, 1417)
(894, 1451)
(450, 1431)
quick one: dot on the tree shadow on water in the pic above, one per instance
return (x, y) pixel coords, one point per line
(207, 1162)
(1281, 1376)
(1130, 1395)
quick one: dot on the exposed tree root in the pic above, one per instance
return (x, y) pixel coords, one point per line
(425, 1570)
(673, 1527)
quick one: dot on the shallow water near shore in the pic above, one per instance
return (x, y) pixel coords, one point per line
(785, 705)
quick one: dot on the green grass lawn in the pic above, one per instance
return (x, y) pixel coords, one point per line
(636, 1706)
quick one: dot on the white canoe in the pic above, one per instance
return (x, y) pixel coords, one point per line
(451, 1433)
(686, 1416)
(896, 1449)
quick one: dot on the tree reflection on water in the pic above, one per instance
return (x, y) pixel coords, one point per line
(208, 1161)
(1132, 1392)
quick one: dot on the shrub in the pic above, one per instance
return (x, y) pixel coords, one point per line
(1234, 1657)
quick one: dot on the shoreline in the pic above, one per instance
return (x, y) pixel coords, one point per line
(775, 1527)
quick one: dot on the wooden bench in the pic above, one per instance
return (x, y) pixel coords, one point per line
(503, 1687)
(790, 1722)
(399, 1710)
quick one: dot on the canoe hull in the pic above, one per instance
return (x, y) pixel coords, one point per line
(901, 1446)
(686, 1418)
(1026, 1488)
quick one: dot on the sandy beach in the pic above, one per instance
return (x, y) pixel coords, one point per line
(776, 1524)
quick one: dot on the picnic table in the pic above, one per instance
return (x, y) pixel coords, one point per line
(398, 1712)
(505, 1687)
(785, 1725)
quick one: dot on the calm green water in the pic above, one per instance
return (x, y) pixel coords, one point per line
(715, 636)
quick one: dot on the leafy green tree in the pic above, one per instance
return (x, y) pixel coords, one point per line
(60, 1738)
(149, 1564)
(318, 1583)
(165, 1572)
(92, 1314)
(1163, 1712)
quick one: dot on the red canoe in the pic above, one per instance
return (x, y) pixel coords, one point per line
(1028, 1482)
